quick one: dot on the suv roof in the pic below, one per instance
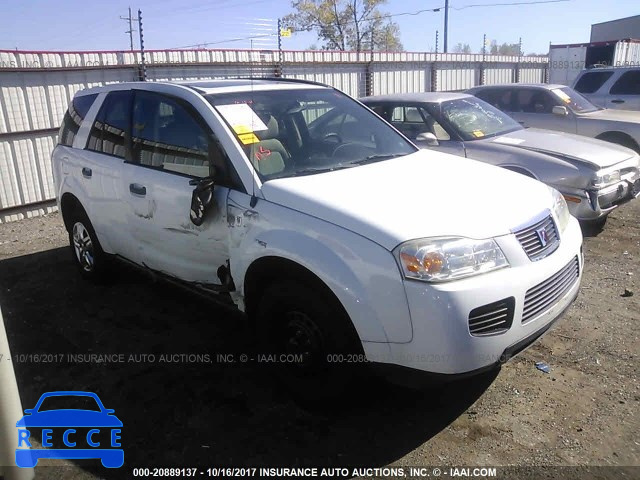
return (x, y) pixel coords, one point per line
(546, 86)
(217, 86)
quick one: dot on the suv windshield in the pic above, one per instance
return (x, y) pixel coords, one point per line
(304, 131)
(474, 119)
(573, 100)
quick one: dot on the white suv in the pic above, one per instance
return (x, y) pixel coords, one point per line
(341, 239)
(611, 87)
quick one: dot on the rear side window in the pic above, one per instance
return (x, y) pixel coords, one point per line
(627, 84)
(78, 109)
(110, 130)
(590, 82)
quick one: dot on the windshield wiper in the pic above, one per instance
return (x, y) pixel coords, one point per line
(314, 170)
(377, 157)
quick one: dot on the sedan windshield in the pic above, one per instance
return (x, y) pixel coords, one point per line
(572, 99)
(474, 119)
(306, 131)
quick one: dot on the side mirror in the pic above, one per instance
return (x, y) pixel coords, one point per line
(560, 110)
(201, 199)
(428, 138)
(109, 411)
(28, 411)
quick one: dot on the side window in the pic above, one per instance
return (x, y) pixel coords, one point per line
(534, 101)
(590, 82)
(78, 109)
(412, 121)
(110, 131)
(499, 98)
(169, 135)
(627, 84)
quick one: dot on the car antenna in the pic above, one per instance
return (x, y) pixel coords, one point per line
(254, 199)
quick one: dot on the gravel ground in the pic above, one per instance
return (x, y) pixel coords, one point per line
(205, 412)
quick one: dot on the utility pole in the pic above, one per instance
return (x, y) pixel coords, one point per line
(130, 19)
(446, 24)
(143, 75)
(436, 41)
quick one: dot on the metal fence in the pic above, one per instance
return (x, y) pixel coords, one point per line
(36, 87)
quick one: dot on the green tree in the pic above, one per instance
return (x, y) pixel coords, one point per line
(346, 24)
(460, 48)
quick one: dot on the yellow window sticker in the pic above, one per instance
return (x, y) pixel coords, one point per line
(563, 96)
(478, 133)
(248, 138)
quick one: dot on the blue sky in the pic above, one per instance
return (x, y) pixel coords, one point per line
(89, 25)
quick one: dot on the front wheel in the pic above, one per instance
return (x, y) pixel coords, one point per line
(309, 342)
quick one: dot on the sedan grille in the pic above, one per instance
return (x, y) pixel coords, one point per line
(540, 239)
(543, 296)
(493, 318)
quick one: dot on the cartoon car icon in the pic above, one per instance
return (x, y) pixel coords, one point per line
(96, 419)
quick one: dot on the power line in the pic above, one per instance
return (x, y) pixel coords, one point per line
(508, 4)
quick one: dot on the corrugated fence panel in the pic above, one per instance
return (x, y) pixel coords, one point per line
(400, 78)
(36, 87)
(451, 79)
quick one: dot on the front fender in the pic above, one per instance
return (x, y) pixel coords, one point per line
(363, 276)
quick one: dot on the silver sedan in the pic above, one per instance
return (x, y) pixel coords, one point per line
(558, 107)
(594, 176)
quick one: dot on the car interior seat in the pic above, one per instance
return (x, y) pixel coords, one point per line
(269, 155)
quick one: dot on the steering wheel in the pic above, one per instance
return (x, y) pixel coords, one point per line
(344, 146)
(333, 136)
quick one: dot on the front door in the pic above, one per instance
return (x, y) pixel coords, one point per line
(173, 149)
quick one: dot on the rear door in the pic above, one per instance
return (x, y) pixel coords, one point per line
(172, 147)
(625, 92)
(102, 171)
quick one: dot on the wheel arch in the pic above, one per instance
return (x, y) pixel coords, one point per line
(69, 204)
(613, 135)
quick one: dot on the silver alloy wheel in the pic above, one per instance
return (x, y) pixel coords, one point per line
(83, 246)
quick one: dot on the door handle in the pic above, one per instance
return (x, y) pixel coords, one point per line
(86, 172)
(617, 100)
(137, 189)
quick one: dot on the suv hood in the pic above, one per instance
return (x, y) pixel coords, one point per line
(424, 194)
(628, 116)
(594, 153)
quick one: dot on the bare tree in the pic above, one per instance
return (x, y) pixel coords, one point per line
(346, 24)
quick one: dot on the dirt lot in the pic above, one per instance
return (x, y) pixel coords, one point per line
(208, 413)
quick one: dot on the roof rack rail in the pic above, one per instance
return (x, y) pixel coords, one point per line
(291, 80)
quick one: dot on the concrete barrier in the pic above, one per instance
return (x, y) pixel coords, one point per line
(10, 413)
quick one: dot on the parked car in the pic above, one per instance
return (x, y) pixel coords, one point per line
(610, 87)
(557, 107)
(594, 176)
(341, 240)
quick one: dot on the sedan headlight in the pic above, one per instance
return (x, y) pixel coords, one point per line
(601, 180)
(560, 209)
(449, 258)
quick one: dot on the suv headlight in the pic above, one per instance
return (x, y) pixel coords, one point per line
(601, 180)
(448, 258)
(560, 209)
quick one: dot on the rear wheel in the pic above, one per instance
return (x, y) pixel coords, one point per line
(310, 343)
(86, 251)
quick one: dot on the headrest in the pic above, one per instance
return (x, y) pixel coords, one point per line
(272, 129)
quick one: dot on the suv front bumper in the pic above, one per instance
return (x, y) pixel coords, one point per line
(442, 342)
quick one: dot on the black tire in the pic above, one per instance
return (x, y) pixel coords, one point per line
(293, 318)
(620, 139)
(86, 252)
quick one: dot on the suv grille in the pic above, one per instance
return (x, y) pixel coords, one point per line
(540, 239)
(543, 296)
(493, 318)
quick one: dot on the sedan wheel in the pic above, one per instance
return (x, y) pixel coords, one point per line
(83, 247)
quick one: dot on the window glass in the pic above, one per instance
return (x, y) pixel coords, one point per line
(590, 82)
(76, 112)
(168, 137)
(499, 98)
(627, 84)
(306, 131)
(474, 119)
(568, 97)
(412, 121)
(111, 127)
(534, 101)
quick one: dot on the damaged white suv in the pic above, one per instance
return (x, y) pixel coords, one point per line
(342, 240)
